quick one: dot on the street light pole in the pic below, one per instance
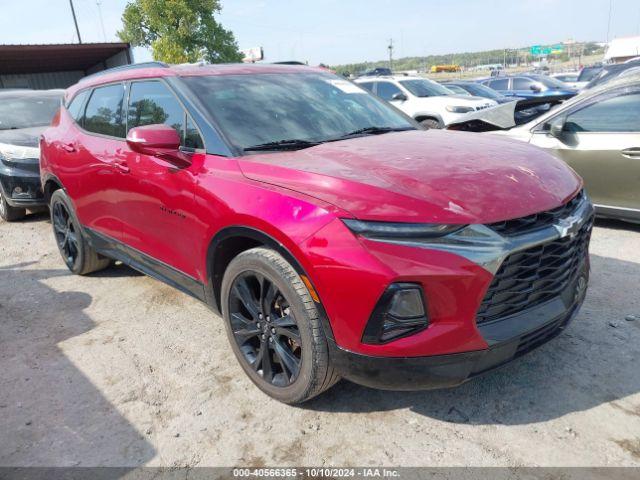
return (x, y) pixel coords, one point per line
(609, 21)
(75, 20)
(391, 54)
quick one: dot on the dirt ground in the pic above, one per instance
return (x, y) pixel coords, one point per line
(117, 369)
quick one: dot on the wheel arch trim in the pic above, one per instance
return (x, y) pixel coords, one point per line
(427, 115)
(50, 177)
(214, 282)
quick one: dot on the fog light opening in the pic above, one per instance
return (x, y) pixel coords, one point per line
(400, 312)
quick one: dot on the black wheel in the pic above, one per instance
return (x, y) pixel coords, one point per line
(430, 123)
(9, 213)
(274, 327)
(77, 254)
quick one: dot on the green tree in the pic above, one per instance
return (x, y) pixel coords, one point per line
(179, 31)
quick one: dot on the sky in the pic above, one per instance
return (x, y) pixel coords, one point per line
(345, 31)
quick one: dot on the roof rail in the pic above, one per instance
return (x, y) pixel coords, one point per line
(121, 68)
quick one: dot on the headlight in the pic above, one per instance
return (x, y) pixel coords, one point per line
(386, 230)
(459, 109)
(16, 153)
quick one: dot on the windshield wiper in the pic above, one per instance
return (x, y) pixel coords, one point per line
(371, 131)
(294, 144)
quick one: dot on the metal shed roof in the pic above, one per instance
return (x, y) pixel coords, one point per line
(18, 59)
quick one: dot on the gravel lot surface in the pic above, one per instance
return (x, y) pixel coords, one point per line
(118, 369)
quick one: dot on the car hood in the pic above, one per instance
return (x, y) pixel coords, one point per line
(422, 176)
(23, 137)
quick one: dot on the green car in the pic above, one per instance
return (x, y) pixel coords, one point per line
(598, 134)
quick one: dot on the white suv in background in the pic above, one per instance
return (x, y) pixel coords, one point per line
(428, 102)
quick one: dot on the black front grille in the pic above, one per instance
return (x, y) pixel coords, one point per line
(533, 276)
(518, 226)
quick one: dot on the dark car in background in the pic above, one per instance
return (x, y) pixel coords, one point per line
(477, 90)
(615, 70)
(589, 73)
(24, 114)
(530, 86)
(377, 72)
(524, 111)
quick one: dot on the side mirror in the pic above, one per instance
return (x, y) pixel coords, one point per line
(535, 87)
(400, 97)
(158, 140)
(556, 127)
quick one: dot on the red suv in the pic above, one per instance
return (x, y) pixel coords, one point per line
(335, 236)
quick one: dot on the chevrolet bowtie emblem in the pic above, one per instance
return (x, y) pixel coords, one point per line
(569, 226)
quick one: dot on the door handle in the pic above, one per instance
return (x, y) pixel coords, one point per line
(121, 166)
(631, 152)
(69, 147)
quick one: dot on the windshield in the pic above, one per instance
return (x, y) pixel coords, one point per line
(457, 90)
(23, 111)
(589, 73)
(480, 90)
(310, 107)
(425, 88)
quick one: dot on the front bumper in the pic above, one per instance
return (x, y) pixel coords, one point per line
(26, 177)
(508, 339)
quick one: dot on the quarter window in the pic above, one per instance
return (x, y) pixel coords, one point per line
(367, 85)
(104, 111)
(387, 90)
(75, 108)
(192, 138)
(615, 114)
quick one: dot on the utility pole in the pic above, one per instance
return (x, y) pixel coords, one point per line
(390, 47)
(609, 21)
(104, 34)
(75, 20)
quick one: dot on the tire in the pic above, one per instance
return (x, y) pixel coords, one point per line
(287, 316)
(76, 252)
(9, 213)
(430, 123)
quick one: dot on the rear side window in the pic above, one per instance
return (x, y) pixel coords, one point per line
(104, 111)
(502, 84)
(76, 107)
(618, 114)
(367, 86)
(387, 90)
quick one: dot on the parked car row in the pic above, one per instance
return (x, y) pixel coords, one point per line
(530, 86)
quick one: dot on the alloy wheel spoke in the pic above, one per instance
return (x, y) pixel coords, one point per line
(58, 222)
(290, 333)
(243, 292)
(239, 319)
(284, 322)
(267, 366)
(269, 297)
(288, 360)
(244, 334)
(257, 362)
